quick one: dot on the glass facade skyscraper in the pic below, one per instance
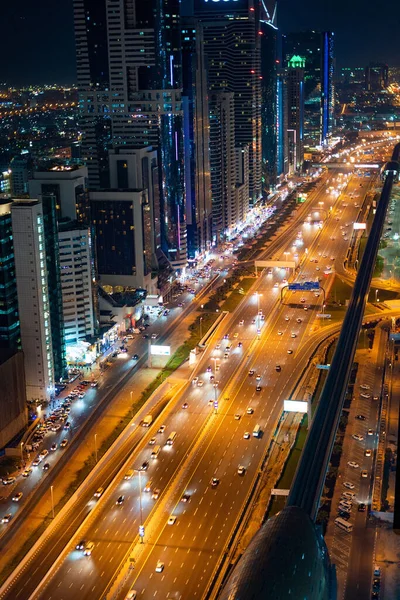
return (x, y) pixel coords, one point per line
(50, 229)
(133, 84)
(317, 50)
(10, 336)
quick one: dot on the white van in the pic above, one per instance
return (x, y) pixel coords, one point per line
(343, 524)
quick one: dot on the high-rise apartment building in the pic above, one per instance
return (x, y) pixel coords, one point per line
(196, 139)
(223, 162)
(317, 50)
(19, 175)
(50, 230)
(69, 187)
(295, 112)
(232, 49)
(137, 169)
(122, 221)
(376, 77)
(9, 317)
(130, 86)
(93, 80)
(76, 264)
(270, 63)
(33, 298)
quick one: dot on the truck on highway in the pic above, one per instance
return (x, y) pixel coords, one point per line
(147, 421)
(257, 431)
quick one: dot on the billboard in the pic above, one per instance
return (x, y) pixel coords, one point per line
(160, 350)
(295, 406)
(360, 226)
(280, 264)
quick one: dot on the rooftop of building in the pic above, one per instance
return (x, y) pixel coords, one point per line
(24, 202)
(71, 225)
(6, 354)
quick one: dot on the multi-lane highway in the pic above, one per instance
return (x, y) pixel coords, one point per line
(209, 445)
(188, 554)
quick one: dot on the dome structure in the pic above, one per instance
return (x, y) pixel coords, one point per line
(278, 565)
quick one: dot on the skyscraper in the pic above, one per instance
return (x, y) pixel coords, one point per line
(33, 298)
(196, 139)
(232, 49)
(9, 318)
(270, 64)
(295, 111)
(93, 86)
(317, 50)
(130, 84)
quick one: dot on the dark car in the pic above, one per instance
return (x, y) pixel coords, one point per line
(144, 466)
(362, 507)
(360, 417)
(81, 545)
(46, 466)
(120, 500)
(135, 357)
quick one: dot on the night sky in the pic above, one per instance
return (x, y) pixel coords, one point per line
(37, 41)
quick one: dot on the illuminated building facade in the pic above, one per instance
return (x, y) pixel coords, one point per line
(138, 87)
(232, 47)
(33, 298)
(295, 112)
(196, 139)
(317, 50)
(9, 318)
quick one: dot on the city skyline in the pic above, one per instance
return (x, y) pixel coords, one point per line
(46, 44)
(200, 302)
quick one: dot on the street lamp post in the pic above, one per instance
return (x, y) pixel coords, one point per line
(141, 526)
(200, 327)
(95, 446)
(52, 500)
(22, 452)
(376, 295)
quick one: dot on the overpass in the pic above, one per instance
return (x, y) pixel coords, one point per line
(288, 557)
(348, 165)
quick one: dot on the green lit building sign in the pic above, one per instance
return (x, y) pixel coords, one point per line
(297, 62)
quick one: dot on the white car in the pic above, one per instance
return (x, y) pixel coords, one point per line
(280, 332)
(365, 395)
(172, 520)
(159, 566)
(241, 470)
(364, 386)
(353, 464)
(358, 437)
(195, 380)
(246, 435)
(293, 335)
(348, 495)
(200, 383)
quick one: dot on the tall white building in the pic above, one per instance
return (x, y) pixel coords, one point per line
(68, 185)
(75, 246)
(33, 298)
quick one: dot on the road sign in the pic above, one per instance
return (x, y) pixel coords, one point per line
(306, 286)
(141, 531)
(323, 367)
(323, 316)
(216, 404)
